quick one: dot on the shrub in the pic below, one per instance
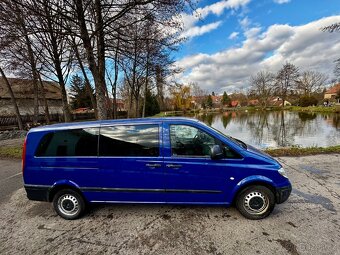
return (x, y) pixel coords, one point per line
(307, 101)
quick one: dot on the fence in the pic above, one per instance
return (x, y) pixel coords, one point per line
(7, 122)
(11, 121)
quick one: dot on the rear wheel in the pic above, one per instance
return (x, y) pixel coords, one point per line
(255, 202)
(69, 204)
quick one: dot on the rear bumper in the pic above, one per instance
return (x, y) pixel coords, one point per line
(283, 193)
(37, 193)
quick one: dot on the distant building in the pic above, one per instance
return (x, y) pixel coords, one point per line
(277, 101)
(253, 102)
(24, 94)
(234, 103)
(332, 93)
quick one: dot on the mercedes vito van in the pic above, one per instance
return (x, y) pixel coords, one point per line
(152, 160)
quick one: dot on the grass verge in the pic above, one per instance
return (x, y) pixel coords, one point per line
(297, 151)
(11, 152)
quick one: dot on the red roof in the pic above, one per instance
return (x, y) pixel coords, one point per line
(234, 103)
(334, 89)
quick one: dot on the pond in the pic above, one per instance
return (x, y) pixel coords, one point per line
(275, 129)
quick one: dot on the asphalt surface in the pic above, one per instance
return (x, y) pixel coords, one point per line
(308, 223)
(10, 178)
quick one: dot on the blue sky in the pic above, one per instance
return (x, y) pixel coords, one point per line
(236, 38)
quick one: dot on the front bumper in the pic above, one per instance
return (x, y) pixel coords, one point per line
(283, 193)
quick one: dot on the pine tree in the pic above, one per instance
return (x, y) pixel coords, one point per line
(225, 99)
(80, 96)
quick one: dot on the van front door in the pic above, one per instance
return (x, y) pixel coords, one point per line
(191, 176)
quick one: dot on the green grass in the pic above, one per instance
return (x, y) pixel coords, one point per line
(297, 151)
(313, 109)
(10, 152)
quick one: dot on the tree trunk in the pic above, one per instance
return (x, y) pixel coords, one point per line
(55, 54)
(47, 113)
(33, 69)
(14, 102)
(98, 75)
(87, 81)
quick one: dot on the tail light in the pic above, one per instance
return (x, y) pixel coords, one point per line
(23, 158)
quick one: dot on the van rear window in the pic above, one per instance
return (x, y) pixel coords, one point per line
(129, 140)
(75, 142)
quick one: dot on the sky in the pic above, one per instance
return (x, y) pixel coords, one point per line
(230, 40)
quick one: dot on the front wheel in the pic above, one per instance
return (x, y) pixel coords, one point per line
(69, 204)
(255, 202)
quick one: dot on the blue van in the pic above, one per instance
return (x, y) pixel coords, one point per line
(152, 160)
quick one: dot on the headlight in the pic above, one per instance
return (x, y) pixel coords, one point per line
(283, 172)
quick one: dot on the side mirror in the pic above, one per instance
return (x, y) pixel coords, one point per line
(216, 152)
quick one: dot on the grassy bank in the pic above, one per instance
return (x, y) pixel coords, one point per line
(297, 151)
(10, 152)
(15, 152)
(335, 109)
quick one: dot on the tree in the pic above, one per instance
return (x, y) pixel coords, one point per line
(335, 27)
(181, 97)
(310, 82)
(80, 95)
(151, 106)
(262, 85)
(286, 79)
(209, 102)
(225, 99)
(14, 102)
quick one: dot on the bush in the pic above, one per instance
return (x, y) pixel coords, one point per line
(305, 101)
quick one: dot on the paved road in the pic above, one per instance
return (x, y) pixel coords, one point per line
(308, 223)
(10, 178)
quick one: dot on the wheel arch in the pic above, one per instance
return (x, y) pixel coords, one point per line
(253, 181)
(64, 185)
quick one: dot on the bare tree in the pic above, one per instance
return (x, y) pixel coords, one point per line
(262, 86)
(286, 79)
(311, 81)
(14, 103)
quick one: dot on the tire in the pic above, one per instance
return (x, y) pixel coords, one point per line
(255, 202)
(68, 204)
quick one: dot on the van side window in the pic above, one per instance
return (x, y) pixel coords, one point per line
(191, 141)
(129, 140)
(74, 142)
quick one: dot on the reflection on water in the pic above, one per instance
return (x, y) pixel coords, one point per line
(278, 128)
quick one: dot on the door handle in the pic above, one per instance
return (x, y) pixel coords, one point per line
(175, 166)
(153, 165)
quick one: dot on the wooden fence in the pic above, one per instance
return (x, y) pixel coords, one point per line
(11, 121)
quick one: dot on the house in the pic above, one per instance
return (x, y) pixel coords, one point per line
(24, 94)
(234, 103)
(121, 106)
(253, 102)
(332, 93)
(277, 101)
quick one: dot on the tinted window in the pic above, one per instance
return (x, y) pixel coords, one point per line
(76, 142)
(191, 141)
(134, 140)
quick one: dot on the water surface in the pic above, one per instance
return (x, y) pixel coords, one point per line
(275, 129)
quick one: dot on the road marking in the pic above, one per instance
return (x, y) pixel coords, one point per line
(14, 175)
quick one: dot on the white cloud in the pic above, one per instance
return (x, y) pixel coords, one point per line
(245, 22)
(233, 35)
(190, 27)
(305, 46)
(281, 1)
(196, 31)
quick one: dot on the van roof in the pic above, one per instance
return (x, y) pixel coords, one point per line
(85, 124)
